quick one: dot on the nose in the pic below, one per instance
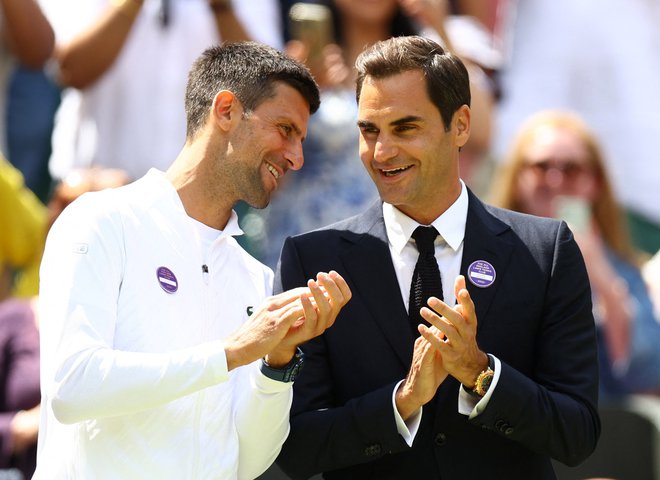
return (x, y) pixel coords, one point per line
(384, 149)
(294, 156)
(554, 177)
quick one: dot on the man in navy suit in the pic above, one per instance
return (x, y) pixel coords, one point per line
(504, 375)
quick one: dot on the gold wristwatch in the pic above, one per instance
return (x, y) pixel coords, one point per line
(484, 379)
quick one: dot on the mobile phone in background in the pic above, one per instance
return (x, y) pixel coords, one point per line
(311, 24)
(575, 211)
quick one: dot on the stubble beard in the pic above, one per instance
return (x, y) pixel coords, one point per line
(256, 194)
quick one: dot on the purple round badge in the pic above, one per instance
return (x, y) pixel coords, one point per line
(481, 274)
(167, 280)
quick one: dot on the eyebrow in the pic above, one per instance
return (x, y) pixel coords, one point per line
(408, 119)
(395, 123)
(296, 128)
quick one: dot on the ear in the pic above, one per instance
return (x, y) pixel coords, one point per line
(461, 125)
(225, 109)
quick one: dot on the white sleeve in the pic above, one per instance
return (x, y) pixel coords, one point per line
(261, 414)
(82, 376)
(407, 429)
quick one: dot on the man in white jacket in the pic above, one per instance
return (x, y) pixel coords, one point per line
(163, 354)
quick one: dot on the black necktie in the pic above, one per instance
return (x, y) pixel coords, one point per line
(426, 280)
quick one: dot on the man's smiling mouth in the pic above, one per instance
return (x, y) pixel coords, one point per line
(394, 171)
(273, 170)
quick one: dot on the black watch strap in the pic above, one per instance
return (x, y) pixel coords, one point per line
(285, 374)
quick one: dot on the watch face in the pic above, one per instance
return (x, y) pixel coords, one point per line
(483, 382)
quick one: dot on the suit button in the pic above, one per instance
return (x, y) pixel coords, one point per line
(508, 431)
(440, 439)
(499, 424)
(372, 450)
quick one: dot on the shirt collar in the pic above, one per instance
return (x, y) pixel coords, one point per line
(232, 228)
(450, 225)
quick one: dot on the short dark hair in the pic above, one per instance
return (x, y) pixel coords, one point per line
(248, 69)
(447, 80)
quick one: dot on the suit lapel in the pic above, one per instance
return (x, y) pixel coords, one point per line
(369, 265)
(484, 241)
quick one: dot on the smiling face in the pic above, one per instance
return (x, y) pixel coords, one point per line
(265, 144)
(405, 148)
(556, 163)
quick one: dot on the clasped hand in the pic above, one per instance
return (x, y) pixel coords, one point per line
(447, 347)
(287, 320)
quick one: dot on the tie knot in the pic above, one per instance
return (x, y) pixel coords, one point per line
(424, 238)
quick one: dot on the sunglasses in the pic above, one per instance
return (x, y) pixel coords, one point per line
(570, 169)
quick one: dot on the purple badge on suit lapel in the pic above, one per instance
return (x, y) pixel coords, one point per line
(167, 280)
(481, 274)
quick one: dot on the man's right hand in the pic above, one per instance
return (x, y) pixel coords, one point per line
(287, 320)
(425, 376)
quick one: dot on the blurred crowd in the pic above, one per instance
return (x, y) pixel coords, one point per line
(565, 123)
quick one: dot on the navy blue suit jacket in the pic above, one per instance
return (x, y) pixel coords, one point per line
(536, 318)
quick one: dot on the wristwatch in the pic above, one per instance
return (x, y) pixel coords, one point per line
(289, 372)
(484, 379)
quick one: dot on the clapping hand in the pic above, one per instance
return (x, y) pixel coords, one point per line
(287, 320)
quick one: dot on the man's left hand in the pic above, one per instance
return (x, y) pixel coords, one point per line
(461, 355)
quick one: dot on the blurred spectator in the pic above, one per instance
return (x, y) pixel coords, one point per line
(126, 62)
(32, 100)
(600, 59)
(26, 32)
(332, 166)
(555, 168)
(29, 97)
(23, 223)
(22, 234)
(19, 387)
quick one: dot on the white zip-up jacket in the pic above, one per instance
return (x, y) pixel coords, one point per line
(133, 370)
